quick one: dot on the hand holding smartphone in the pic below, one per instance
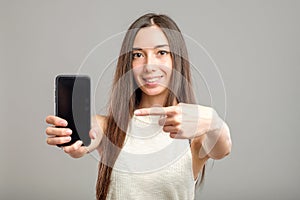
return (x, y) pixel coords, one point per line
(72, 103)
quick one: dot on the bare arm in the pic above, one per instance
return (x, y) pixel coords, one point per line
(193, 121)
(217, 143)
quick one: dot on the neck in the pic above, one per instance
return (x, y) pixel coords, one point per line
(157, 100)
(148, 101)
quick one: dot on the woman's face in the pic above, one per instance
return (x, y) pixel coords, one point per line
(152, 62)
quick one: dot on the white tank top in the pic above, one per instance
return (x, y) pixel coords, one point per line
(152, 165)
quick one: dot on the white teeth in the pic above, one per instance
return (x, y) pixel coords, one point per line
(152, 80)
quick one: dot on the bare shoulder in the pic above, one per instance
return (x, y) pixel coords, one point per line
(101, 118)
(99, 121)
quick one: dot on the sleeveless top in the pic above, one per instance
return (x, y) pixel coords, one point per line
(151, 165)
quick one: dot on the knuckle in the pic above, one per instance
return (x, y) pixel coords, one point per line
(67, 150)
(48, 119)
(162, 121)
(177, 120)
(177, 110)
(165, 129)
(62, 131)
(48, 141)
(178, 128)
(48, 130)
(61, 140)
(75, 147)
(56, 122)
(70, 150)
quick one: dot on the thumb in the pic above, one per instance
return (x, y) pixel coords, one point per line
(96, 137)
(93, 134)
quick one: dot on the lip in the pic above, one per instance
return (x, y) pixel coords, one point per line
(151, 77)
(152, 80)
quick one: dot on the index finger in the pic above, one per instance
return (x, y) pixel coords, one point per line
(57, 121)
(171, 110)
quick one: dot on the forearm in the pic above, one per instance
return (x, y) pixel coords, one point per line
(217, 143)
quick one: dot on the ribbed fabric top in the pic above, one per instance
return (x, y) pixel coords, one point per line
(151, 165)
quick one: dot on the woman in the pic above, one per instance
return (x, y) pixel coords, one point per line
(152, 83)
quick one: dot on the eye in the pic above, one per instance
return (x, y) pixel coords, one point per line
(137, 55)
(163, 52)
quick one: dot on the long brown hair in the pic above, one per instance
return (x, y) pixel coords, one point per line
(125, 98)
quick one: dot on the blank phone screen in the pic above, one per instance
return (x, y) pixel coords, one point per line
(73, 105)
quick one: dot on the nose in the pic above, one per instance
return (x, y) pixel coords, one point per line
(150, 64)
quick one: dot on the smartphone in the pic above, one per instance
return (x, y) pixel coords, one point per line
(72, 103)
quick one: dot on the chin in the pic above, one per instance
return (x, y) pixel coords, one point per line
(155, 91)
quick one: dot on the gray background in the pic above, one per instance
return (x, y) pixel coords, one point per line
(254, 43)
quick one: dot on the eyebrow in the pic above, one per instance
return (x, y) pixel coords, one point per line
(157, 46)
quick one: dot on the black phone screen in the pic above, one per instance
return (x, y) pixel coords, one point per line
(73, 105)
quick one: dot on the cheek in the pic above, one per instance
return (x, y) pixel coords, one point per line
(169, 70)
(169, 66)
(169, 63)
(138, 62)
(136, 71)
(135, 64)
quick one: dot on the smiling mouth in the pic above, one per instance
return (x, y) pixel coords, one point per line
(152, 79)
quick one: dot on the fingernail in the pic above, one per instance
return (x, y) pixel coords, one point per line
(63, 123)
(68, 138)
(69, 131)
(136, 112)
(161, 122)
